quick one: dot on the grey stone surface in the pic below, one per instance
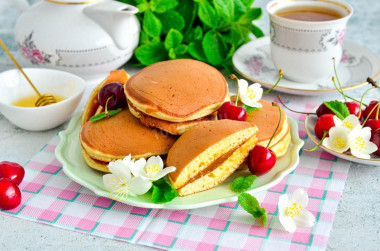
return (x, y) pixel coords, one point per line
(357, 221)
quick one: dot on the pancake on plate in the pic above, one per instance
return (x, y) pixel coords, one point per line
(175, 95)
(266, 119)
(208, 153)
(114, 138)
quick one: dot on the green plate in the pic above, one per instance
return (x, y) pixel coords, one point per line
(69, 153)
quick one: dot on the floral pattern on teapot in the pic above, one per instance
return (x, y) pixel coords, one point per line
(30, 51)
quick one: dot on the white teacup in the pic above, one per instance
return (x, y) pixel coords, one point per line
(304, 49)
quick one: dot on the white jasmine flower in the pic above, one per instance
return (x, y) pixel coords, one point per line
(152, 169)
(360, 144)
(349, 123)
(338, 140)
(293, 213)
(250, 95)
(120, 182)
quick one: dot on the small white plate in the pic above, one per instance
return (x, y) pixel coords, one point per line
(310, 121)
(69, 153)
(253, 61)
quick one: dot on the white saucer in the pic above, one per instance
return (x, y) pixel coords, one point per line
(253, 61)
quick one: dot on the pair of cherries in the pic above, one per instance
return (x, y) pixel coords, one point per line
(261, 159)
(11, 175)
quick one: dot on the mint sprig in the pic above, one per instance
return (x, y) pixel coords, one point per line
(249, 109)
(103, 115)
(338, 108)
(242, 183)
(162, 191)
(250, 204)
(205, 30)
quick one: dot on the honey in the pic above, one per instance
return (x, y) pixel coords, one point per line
(29, 101)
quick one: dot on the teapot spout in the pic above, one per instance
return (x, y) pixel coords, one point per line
(118, 19)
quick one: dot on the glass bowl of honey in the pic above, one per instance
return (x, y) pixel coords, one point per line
(17, 98)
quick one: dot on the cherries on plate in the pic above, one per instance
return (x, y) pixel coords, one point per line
(114, 90)
(261, 160)
(230, 111)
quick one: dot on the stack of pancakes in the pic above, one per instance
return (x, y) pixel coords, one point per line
(179, 97)
(175, 95)
(118, 136)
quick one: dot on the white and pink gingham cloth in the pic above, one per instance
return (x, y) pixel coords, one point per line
(50, 197)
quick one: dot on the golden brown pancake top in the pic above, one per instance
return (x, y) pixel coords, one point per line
(266, 119)
(123, 134)
(198, 139)
(178, 88)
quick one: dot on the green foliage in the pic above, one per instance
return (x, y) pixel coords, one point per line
(339, 108)
(162, 191)
(207, 30)
(242, 183)
(103, 115)
(252, 206)
(249, 109)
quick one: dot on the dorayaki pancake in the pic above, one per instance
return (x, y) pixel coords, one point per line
(175, 128)
(266, 119)
(208, 153)
(120, 135)
(177, 90)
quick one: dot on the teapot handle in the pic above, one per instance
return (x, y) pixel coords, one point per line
(21, 5)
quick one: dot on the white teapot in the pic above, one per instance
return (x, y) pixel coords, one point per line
(80, 36)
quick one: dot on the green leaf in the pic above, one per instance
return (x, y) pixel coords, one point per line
(249, 109)
(225, 11)
(198, 33)
(196, 51)
(250, 204)
(250, 15)
(151, 24)
(240, 8)
(338, 108)
(256, 31)
(151, 53)
(188, 10)
(214, 48)
(103, 115)
(172, 54)
(162, 191)
(173, 39)
(181, 49)
(242, 184)
(143, 7)
(161, 6)
(239, 35)
(144, 38)
(171, 20)
(207, 14)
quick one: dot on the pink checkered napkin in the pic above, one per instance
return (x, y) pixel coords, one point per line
(50, 197)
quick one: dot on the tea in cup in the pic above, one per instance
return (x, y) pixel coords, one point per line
(306, 35)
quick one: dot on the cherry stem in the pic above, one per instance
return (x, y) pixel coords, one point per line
(325, 132)
(105, 108)
(340, 86)
(361, 100)
(281, 72)
(307, 113)
(278, 124)
(369, 115)
(346, 96)
(233, 76)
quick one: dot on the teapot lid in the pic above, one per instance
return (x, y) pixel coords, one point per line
(72, 1)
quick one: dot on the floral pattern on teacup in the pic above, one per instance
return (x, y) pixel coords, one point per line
(30, 51)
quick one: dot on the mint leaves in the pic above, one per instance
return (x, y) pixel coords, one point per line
(248, 202)
(242, 183)
(103, 115)
(162, 191)
(338, 108)
(252, 206)
(249, 109)
(206, 30)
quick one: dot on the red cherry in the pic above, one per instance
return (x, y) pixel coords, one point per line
(374, 124)
(324, 123)
(12, 171)
(369, 108)
(261, 160)
(354, 108)
(10, 194)
(323, 109)
(376, 140)
(230, 111)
